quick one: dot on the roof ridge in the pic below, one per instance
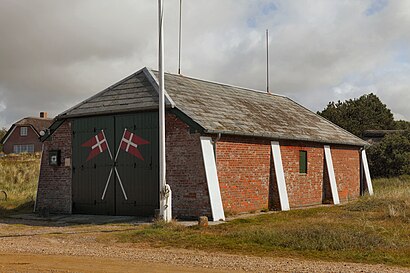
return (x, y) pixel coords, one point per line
(224, 84)
(155, 83)
(38, 118)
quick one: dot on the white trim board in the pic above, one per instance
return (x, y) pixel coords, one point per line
(212, 179)
(332, 177)
(367, 172)
(280, 175)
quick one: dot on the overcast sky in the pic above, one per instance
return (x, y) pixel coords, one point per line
(56, 53)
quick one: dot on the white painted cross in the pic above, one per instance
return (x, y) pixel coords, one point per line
(129, 142)
(98, 143)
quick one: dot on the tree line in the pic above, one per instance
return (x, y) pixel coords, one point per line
(391, 156)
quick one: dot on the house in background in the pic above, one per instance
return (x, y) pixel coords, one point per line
(23, 136)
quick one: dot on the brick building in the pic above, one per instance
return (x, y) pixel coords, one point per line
(228, 149)
(23, 136)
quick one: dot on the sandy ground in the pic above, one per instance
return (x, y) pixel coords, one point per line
(12, 262)
(33, 247)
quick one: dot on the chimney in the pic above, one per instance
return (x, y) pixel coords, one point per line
(43, 114)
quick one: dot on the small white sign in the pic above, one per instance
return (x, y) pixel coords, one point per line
(54, 160)
(67, 162)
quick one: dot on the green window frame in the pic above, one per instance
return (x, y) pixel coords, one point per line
(302, 161)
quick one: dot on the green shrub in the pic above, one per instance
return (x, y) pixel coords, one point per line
(390, 157)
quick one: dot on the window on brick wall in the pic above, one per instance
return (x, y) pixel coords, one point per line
(23, 131)
(302, 161)
(29, 148)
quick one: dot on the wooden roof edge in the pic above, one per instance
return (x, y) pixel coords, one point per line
(154, 82)
(50, 130)
(275, 137)
(8, 133)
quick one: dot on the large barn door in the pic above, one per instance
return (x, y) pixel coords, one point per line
(137, 164)
(92, 166)
(115, 165)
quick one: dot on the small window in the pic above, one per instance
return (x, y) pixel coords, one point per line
(23, 131)
(29, 148)
(302, 161)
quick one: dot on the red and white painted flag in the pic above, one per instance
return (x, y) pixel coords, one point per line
(98, 145)
(130, 143)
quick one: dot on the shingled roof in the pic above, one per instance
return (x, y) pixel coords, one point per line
(217, 108)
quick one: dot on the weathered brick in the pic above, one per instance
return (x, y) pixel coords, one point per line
(245, 170)
(54, 186)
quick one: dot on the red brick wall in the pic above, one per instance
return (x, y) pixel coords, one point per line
(303, 189)
(54, 187)
(243, 166)
(245, 170)
(185, 170)
(16, 139)
(346, 162)
(247, 176)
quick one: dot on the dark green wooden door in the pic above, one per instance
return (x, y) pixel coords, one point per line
(89, 177)
(122, 177)
(138, 171)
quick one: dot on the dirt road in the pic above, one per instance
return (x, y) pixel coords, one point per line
(12, 262)
(26, 247)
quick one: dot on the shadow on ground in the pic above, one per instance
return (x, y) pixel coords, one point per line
(23, 214)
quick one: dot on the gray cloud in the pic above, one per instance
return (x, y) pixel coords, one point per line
(54, 54)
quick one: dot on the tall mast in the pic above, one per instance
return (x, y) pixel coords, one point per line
(179, 38)
(267, 61)
(162, 165)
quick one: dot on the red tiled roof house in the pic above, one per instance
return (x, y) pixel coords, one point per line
(23, 136)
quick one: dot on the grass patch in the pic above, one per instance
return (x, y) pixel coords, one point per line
(392, 199)
(18, 178)
(373, 229)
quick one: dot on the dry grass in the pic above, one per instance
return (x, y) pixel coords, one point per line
(18, 178)
(392, 199)
(373, 229)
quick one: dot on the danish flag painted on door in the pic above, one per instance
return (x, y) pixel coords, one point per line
(98, 144)
(130, 143)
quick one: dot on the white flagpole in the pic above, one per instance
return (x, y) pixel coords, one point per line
(163, 210)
